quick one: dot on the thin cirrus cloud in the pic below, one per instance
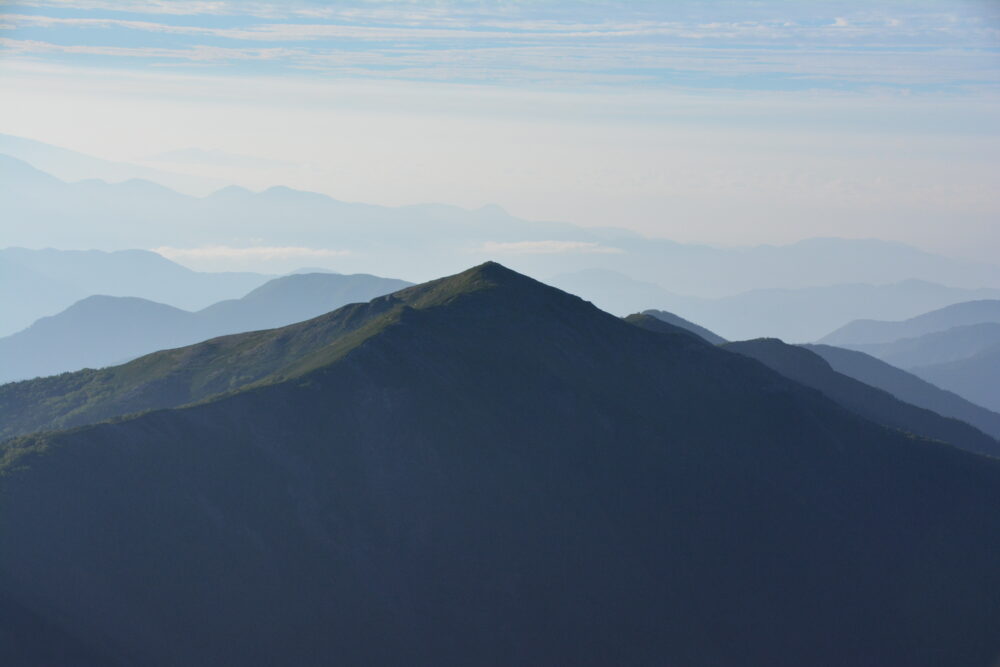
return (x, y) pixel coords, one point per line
(632, 44)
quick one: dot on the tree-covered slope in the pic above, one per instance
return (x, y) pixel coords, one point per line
(494, 472)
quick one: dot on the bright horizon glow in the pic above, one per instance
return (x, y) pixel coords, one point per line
(702, 122)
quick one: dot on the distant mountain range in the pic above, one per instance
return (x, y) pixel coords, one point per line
(939, 347)
(69, 165)
(976, 378)
(38, 283)
(798, 315)
(872, 332)
(420, 241)
(482, 468)
(104, 330)
(956, 348)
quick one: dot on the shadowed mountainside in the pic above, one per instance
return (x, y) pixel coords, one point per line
(485, 469)
(678, 321)
(810, 369)
(908, 387)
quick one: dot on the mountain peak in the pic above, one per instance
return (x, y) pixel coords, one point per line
(488, 276)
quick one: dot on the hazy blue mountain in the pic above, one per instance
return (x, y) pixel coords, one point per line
(810, 369)
(38, 283)
(422, 240)
(941, 347)
(864, 332)
(908, 387)
(70, 165)
(802, 314)
(485, 469)
(976, 378)
(96, 331)
(678, 321)
(102, 330)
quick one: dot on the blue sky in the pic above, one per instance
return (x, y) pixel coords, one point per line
(716, 121)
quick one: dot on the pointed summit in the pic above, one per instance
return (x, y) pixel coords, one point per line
(485, 469)
(170, 378)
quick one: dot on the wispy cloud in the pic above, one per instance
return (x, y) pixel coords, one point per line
(163, 7)
(546, 248)
(194, 53)
(604, 42)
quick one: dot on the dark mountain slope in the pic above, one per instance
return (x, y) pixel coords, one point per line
(908, 387)
(102, 330)
(650, 323)
(810, 369)
(863, 332)
(679, 321)
(494, 472)
(976, 378)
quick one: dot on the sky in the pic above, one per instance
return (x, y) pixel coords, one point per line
(732, 123)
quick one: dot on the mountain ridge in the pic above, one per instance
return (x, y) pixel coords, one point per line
(505, 473)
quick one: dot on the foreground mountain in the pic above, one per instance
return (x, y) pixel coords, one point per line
(39, 283)
(940, 347)
(976, 378)
(102, 330)
(865, 332)
(908, 387)
(486, 470)
(810, 369)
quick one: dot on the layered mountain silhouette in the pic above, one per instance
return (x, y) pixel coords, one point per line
(940, 347)
(797, 314)
(976, 378)
(483, 469)
(102, 330)
(810, 369)
(677, 320)
(39, 283)
(865, 332)
(908, 387)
